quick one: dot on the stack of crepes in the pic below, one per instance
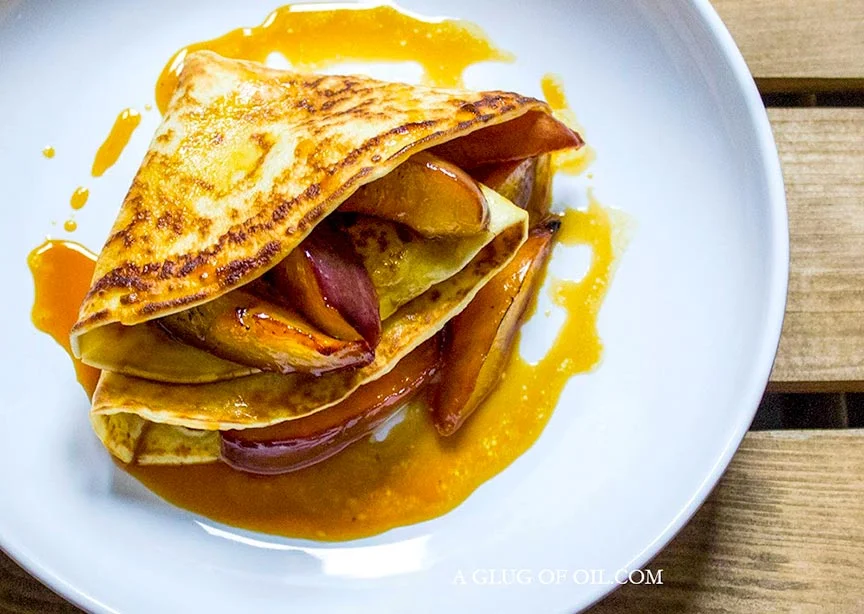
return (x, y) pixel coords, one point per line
(291, 252)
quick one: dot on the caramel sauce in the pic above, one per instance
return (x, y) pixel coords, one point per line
(61, 275)
(48, 152)
(116, 141)
(568, 162)
(373, 485)
(413, 474)
(79, 198)
(313, 37)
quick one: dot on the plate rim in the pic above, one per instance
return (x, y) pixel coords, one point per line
(776, 278)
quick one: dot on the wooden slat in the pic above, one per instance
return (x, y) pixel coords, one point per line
(783, 532)
(797, 39)
(21, 593)
(822, 153)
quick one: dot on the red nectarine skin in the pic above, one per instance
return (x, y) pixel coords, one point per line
(532, 134)
(326, 280)
(295, 444)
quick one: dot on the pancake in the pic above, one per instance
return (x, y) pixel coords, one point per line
(268, 398)
(247, 162)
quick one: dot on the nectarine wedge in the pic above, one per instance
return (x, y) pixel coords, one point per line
(512, 180)
(325, 279)
(427, 194)
(250, 330)
(541, 195)
(295, 444)
(526, 183)
(530, 135)
(480, 339)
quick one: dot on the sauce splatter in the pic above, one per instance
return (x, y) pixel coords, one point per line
(61, 275)
(568, 162)
(48, 152)
(116, 141)
(79, 198)
(70, 225)
(313, 37)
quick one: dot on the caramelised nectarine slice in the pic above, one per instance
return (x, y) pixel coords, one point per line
(325, 279)
(480, 339)
(526, 183)
(512, 180)
(430, 195)
(251, 330)
(530, 135)
(295, 444)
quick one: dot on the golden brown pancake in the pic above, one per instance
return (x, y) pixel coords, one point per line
(247, 161)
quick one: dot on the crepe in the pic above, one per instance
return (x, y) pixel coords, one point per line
(247, 161)
(268, 398)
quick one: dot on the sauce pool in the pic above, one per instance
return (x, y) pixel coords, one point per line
(410, 476)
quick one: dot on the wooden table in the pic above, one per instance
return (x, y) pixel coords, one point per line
(784, 530)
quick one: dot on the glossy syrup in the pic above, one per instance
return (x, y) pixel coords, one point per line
(116, 141)
(61, 276)
(313, 37)
(373, 485)
(567, 162)
(413, 474)
(79, 198)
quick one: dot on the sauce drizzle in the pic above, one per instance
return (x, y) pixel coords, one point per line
(116, 141)
(61, 275)
(567, 162)
(313, 37)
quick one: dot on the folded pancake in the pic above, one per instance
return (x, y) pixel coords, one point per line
(248, 159)
(268, 398)
(247, 163)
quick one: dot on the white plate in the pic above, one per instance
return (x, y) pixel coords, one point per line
(690, 325)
